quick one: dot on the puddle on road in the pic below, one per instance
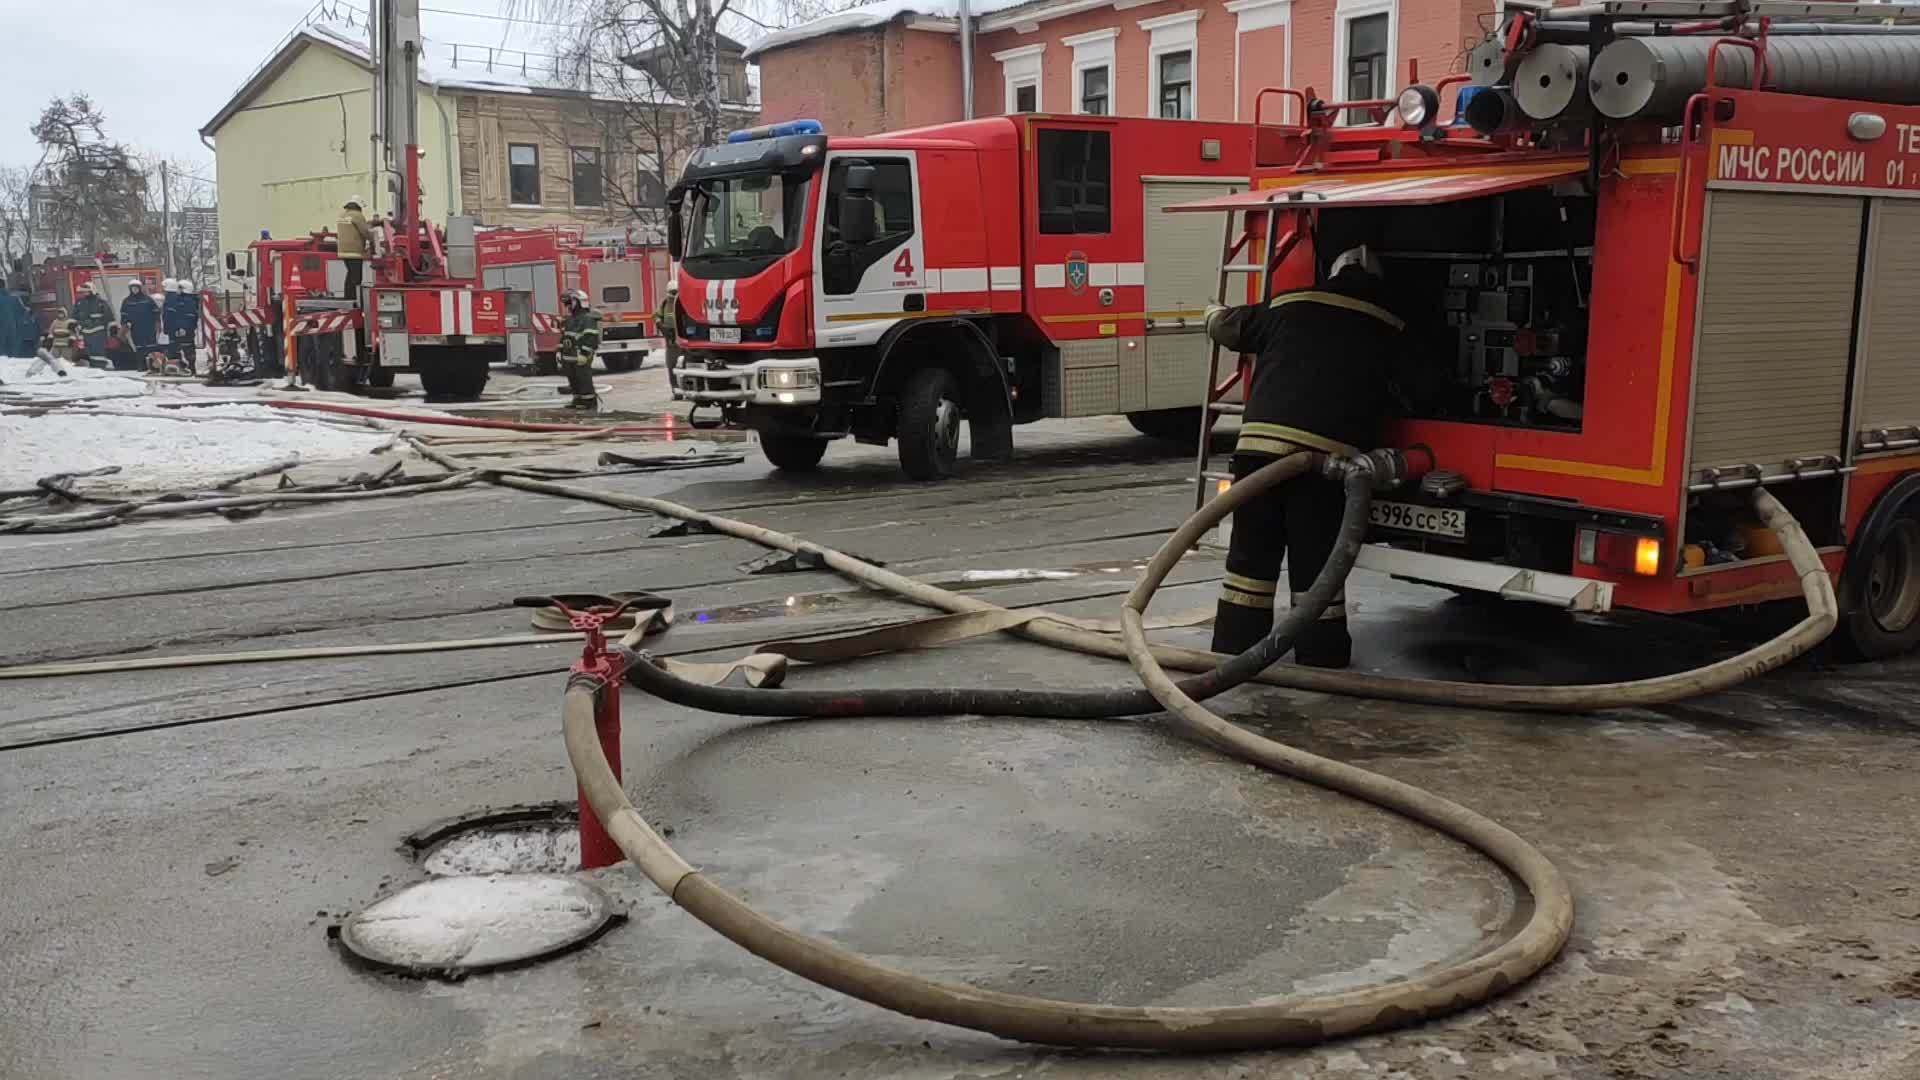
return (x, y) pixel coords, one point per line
(779, 608)
(672, 428)
(959, 581)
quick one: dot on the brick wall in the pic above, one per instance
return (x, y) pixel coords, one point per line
(839, 80)
(891, 78)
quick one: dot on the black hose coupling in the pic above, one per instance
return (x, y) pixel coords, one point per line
(1386, 468)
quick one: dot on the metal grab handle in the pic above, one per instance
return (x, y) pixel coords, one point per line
(1283, 91)
(1684, 183)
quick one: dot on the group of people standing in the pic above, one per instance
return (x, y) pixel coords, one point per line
(89, 335)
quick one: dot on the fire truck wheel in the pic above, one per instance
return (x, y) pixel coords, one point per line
(1173, 425)
(378, 376)
(618, 363)
(1885, 615)
(546, 363)
(445, 380)
(793, 453)
(929, 434)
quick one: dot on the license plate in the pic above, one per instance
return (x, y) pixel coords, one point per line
(726, 335)
(1411, 517)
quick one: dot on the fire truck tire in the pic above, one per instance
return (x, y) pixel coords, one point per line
(546, 363)
(379, 377)
(1173, 425)
(1883, 618)
(793, 453)
(620, 363)
(929, 432)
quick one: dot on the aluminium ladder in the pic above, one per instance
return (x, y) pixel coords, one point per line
(1263, 248)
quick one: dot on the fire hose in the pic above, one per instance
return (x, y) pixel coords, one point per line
(1292, 1021)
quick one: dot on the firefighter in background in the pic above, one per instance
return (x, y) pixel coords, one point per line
(180, 318)
(141, 318)
(665, 323)
(94, 315)
(1322, 381)
(579, 340)
(63, 338)
(355, 242)
(19, 333)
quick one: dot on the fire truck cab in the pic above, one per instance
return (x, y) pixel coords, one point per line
(992, 271)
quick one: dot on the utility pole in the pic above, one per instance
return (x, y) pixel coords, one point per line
(166, 215)
(966, 61)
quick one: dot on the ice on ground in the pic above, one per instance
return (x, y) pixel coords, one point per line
(1017, 575)
(510, 850)
(476, 921)
(81, 383)
(172, 450)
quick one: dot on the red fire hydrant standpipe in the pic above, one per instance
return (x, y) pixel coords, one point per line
(598, 671)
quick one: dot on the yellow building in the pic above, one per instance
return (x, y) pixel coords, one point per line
(295, 142)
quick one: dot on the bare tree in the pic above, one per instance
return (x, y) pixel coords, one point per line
(97, 191)
(15, 190)
(684, 35)
(178, 203)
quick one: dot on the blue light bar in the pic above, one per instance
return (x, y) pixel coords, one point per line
(774, 131)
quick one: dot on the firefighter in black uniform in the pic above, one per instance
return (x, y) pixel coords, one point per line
(1321, 382)
(579, 340)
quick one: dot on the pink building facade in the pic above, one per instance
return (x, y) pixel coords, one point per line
(892, 66)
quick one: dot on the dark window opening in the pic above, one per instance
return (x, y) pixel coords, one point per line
(588, 188)
(843, 263)
(648, 189)
(1366, 64)
(1093, 91)
(523, 174)
(1026, 98)
(1075, 188)
(616, 294)
(1176, 85)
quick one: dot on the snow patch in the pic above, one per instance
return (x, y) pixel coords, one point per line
(172, 449)
(1017, 575)
(540, 848)
(867, 16)
(477, 921)
(80, 383)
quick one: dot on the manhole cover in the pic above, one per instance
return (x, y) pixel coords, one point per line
(531, 848)
(534, 838)
(452, 927)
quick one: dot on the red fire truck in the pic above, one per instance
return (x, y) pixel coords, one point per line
(57, 281)
(622, 280)
(1640, 295)
(993, 270)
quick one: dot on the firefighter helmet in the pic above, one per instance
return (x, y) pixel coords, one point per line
(169, 285)
(85, 289)
(352, 204)
(186, 285)
(1360, 256)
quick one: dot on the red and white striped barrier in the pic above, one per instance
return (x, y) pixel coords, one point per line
(328, 322)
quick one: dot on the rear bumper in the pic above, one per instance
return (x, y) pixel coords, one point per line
(627, 345)
(761, 382)
(1535, 586)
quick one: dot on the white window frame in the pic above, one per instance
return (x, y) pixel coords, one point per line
(1251, 15)
(1345, 11)
(539, 176)
(1094, 49)
(1022, 67)
(1178, 32)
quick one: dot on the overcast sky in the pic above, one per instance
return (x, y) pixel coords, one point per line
(161, 68)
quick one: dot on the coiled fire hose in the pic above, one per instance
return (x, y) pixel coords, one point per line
(1293, 1021)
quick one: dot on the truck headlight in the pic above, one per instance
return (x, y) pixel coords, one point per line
(789, 379)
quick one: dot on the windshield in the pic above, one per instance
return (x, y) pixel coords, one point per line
(747, 216)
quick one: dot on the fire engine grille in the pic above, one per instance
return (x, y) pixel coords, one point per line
(1177, 368)
(1776, 321)
(1083, 379)
(1889, 394)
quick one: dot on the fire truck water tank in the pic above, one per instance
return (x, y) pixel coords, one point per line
(1654, 76)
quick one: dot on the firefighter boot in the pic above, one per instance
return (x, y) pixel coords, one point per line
(1326, 643)
(581, 378)
(1243, 616)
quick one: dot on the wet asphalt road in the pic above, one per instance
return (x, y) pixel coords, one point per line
(175, 843)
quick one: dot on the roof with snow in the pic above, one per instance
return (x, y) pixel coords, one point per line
(879, 13)
(450, 66)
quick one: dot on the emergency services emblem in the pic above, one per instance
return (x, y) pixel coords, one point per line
(1076, 271)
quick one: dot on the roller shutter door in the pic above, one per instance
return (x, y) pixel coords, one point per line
(1776, 328)
(1890, 322)
(1182, 256)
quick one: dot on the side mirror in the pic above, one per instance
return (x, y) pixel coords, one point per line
(233, 265)
(674, 199)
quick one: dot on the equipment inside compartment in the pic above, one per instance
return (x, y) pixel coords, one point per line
(1495, 294)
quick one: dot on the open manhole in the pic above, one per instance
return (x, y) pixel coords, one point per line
(452, 927)
(539, 838)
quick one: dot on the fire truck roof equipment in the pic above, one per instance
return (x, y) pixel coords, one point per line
(1654, 76)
